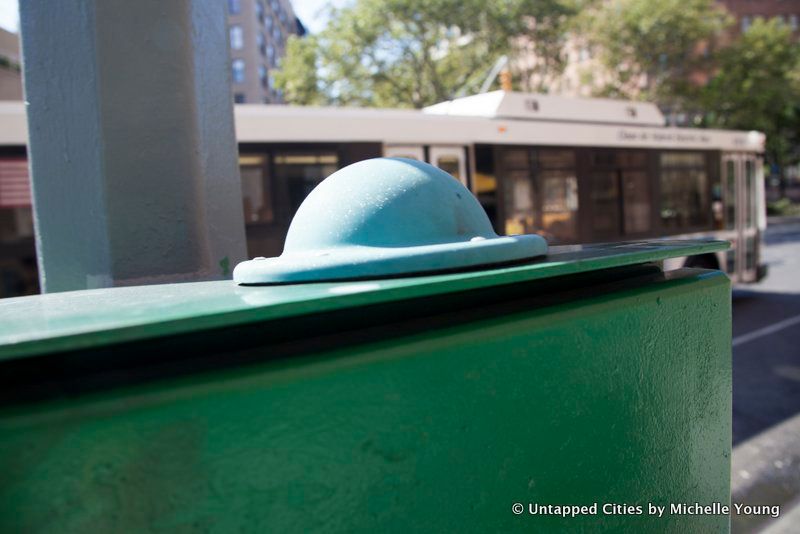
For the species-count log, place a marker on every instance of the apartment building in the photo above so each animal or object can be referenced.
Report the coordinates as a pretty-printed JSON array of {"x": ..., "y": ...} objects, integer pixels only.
[
  {"x": 259, "y": 30},
  {"x": 10, "y": 72}
]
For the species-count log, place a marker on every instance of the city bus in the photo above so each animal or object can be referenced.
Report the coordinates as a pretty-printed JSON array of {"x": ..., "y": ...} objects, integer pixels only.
[{"x": 573, "y": 170}]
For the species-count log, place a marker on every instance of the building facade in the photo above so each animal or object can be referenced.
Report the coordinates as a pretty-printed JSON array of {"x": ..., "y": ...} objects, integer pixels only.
[
  {"x": 259, "y": 30},
  {"x": 584, "y": 75},
  {"x": 10, "y": 72},
  {"x": 746, "y": 11}
]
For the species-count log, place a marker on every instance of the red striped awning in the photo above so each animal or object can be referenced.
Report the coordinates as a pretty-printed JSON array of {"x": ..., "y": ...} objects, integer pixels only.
[{"x": 15, "y": 183}]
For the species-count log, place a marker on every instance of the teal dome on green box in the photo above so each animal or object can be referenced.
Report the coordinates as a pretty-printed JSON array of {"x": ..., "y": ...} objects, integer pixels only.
[{"x": 387, "y": 217}]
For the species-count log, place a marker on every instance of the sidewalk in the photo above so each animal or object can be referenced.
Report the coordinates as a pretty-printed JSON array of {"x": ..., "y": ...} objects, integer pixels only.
[
  {"x": 765, "y": 470},
  {"x": 775, "y": 220}
]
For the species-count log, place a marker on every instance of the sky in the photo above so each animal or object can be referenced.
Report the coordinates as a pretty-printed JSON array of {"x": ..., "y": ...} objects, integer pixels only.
[
  {"x": 9, "y": 17},
  {"x": 311, "y": 13}
]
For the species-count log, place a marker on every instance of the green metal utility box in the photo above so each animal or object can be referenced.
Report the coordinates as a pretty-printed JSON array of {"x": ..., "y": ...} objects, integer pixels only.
[{"x": 460, "y": 402}]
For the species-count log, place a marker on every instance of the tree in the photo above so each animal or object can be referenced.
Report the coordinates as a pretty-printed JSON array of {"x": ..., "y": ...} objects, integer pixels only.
[
  {"x": 757, "y": 87},
  {"x": 412, "y": 53},
  {"x": 651, "y": 50},
  {"x": 298, "y": 77}
]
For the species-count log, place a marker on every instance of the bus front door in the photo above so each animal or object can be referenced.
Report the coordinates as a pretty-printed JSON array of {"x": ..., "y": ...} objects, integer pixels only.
[
  {"x": 739, "y": 175},
  {"x": 405, "y": 151},
  {"x": 450, "y": 158},
  {"x": 748, "y": 259}
]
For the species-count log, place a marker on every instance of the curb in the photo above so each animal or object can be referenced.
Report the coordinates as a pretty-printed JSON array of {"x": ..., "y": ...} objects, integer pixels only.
[{"x": 776, "y": 220}]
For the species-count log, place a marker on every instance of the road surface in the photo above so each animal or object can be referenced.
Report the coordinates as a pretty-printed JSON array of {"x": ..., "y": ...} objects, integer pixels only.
[
  {"x": 766, "y": 339},
  {"x": 765, "y": 466}
]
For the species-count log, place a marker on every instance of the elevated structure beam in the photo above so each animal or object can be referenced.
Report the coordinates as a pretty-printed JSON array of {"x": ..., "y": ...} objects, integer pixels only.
[{"x": 131, "y": 140}]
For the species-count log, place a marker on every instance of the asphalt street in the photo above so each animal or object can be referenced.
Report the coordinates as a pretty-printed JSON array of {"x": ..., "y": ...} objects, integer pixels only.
[
  {"x": 766, "y": 338},
  {"x": 765, "y": 467}
]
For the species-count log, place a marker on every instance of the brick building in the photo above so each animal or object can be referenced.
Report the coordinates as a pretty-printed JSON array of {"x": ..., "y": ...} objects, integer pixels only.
[
  {"x": 259, "y": 30},
  {"x": 10, "y": 75}
]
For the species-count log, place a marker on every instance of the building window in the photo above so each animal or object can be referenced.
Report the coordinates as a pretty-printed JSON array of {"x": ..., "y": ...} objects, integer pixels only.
[
  {"x": 234, "y": 7},
  {"x": 261, "y": 43},
  {"x": 793, "y": 22},
  {"x": 237, "y": 69},
  {"x": 271, "y": 55},
  {"x": 239, "y": 98},
  {"x": 269, "y": 23},
  {"x": 276, "y": 34},
  {"x": 262, "y": 76},
  {"x": 260, "y": 11},
  {"x": 684, "y": 191},
  {"x": 237, "y": 37},
  {"x": 746, "y": 22}
]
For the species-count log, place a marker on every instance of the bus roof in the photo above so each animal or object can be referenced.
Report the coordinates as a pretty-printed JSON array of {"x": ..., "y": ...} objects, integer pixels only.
[
  {"x": 528, "y": 106},
  {"x": 444, "y": 124}
]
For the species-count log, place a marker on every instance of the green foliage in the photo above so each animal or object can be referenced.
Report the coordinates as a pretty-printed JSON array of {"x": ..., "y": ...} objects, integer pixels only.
[
  {"x": 412, "y": 53},
  {"x": 9, "y": 63},
  {"x": 408, "y": 53},
  {"x": 651, "y": 49},
  {"x": 757, "y": 87},
  {"x": 783, "y": 208},
  {"x": 298, "y": 77}
]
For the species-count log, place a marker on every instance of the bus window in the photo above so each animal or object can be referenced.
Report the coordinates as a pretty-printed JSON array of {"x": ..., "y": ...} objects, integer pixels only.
[
  {"x": 516, "y": 159},
  {"x": 449, "y": 164},
  {"x": 730, "y": 195},
  {"x": 519, "y": 209},
  {"x": 717, "y": 206},
  {"x": 556, "y": 159},
  {"x": 750, "y": 196},
  {"x": 485, "y": 183},
  {"x": 302, "y": 172},
  {"x": 605, "y": 204},
  {"x": 750, "y": 253},
  {"x": 620, "y": 194},
  {"x": 256, "y": 189},
  {"x": 558, "y": 184},
  {"x": 636, "y": 202},
  {"x": 560, "y": 205},
  {"x": 684, "y": 191},
  {"x": 405, "y": 151}
]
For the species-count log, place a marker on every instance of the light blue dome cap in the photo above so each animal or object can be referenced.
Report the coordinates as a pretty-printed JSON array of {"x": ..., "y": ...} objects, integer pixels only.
[{"x": 387, "y": 217}]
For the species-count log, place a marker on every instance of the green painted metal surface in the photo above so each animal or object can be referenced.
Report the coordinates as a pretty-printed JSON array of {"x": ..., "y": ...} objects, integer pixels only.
[
  {"x": 424, "y": 404},
  {"x": 617, "y": 396},
  {"x": 83, "y": 319}
]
